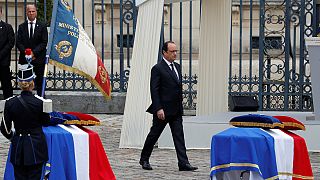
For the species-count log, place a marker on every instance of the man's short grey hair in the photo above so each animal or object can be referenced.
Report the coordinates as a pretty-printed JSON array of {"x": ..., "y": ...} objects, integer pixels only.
[{"x": 31, "y": 4}]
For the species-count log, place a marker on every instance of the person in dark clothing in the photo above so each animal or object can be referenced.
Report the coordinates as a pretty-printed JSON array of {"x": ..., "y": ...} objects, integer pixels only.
[
  {"x": 33, "y": 34},
  {"x": 6, "y": 44},
  {"x": 166, "y": 107},
  {"x": 29, "y": 152}
]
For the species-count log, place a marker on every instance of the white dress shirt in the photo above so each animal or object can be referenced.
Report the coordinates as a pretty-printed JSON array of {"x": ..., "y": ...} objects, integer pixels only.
[
  {"x": 174, "y": 67},
  {"x": 33, "y": 26}
]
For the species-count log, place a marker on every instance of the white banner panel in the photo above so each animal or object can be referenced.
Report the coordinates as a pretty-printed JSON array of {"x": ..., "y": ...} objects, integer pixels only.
[
  {"x": 214, "y": 55},
  {"x": 139, "y": 2},
  {"x": 136, "y": 121},
  {"x": 313, "y": 45},
  {"x": 174, "y": 1}
]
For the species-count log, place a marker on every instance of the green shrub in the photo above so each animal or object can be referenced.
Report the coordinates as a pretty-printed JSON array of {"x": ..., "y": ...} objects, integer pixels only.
[{"x": 41, "y": 10}]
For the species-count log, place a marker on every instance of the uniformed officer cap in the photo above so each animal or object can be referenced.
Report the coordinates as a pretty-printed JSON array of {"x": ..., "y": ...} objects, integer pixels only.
[{"x": 26, "y": 73}]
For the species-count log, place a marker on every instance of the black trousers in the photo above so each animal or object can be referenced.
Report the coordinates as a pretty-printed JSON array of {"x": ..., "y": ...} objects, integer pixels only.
[
  {"x": 175, "y": 123},
  {"x": 5, "y": 79},
  {"x": 38, "y": 70},
  {"x": 32, "y": 172}
]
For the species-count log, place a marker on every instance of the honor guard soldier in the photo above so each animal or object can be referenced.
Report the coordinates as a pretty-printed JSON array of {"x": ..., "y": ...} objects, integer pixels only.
[{"x": 27, "y": 113}]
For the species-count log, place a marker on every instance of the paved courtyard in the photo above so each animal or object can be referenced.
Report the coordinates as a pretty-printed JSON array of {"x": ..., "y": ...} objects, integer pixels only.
[{"x": 125, "y": 165}]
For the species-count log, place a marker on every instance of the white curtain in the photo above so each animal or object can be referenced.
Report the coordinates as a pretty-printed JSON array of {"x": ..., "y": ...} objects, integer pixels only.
[
  {"x": 214, "y": 56},
  {"x": 136, "y": 122},
  {"x": 139, "y": 2}
]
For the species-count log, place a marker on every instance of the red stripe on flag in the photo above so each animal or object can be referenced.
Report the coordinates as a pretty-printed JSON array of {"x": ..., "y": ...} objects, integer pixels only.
[
  {"x": 99, "y": 166},
  {"x": 301, "y": 162},
  {"x": 102, "y": 78}
]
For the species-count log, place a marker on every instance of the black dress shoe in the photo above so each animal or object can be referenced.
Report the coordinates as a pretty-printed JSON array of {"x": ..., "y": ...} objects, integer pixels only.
[
  {"x": 187, "y": 167},
  {"x": 145, "y": 165}
]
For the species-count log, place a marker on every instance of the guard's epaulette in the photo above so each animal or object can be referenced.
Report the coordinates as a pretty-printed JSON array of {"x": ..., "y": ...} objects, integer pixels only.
[
  {"x": 3, "y": 102},
  {"x": 47, "y": 104}
]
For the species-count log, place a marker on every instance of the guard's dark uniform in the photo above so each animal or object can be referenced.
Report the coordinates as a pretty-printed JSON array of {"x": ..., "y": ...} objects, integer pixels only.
[{"x": 28, "y": 144}]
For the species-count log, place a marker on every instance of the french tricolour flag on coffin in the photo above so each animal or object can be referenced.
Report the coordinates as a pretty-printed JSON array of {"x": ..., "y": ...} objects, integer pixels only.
[
  {"x": 87, "y": 161},
  {"x": 71, "y": 49},
  {"x": 273, "y": 154},
  {"x": 74, "y": 153}
]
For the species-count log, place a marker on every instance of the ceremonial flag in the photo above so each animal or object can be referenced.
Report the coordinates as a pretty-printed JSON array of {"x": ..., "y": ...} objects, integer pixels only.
[
  {"x": 74, "y": 153},
  {"x": 274, "y": 154},
  {"x": 249, "y": 149},
  {"x": 71, "y": 49}
]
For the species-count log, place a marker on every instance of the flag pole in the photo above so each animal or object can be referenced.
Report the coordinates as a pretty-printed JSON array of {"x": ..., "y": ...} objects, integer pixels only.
[
  {"x": 44, "y": 76},
  {"x": 52, "y": 27}
]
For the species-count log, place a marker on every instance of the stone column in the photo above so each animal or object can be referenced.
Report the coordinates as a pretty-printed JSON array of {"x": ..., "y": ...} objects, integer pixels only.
[{"x": 214, "y": 56}]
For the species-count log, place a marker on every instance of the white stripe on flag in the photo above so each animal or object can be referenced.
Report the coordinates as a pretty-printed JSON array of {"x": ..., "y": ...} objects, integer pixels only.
[
  {"x": 284, "y": 148},
  {"x": 81, "y": 150},
  {"x": 85, "y": 58}
]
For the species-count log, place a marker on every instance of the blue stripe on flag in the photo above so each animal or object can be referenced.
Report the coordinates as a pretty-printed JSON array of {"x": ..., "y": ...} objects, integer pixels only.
[
  {"x": 9, "y": 175},
  {"x": 61, "y": 153},
  {"x": 243, "y": 149},
  {"x": 66, "y": 34}
]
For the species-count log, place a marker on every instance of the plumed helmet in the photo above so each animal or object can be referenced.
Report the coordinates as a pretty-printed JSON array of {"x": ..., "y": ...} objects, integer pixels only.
[{"x": 25, "y": 73}]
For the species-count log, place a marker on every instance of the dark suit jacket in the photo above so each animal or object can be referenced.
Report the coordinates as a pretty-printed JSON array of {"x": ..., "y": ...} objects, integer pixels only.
[
  {"x": 166, "y": 90},
  {"x": 37, "y": 44},
  {"x": 29, "y": 144},
  {"x": 6, "y": 43}
]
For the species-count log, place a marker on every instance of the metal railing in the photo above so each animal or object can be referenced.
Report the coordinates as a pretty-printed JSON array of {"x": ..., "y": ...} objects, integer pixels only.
[{"x": 268, "y": 58}]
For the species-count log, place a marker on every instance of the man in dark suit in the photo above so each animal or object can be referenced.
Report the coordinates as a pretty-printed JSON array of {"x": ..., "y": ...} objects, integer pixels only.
[
  {"x": 6, "y": 44},
  {"x": 166, "y": 107},
  {"x": 33, "y": 34}
]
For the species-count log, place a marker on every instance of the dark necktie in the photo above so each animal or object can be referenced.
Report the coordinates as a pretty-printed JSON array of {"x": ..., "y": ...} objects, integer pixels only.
[
  {"x": 172, "y": 70},
  {"x": 31, "y": 30}
]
